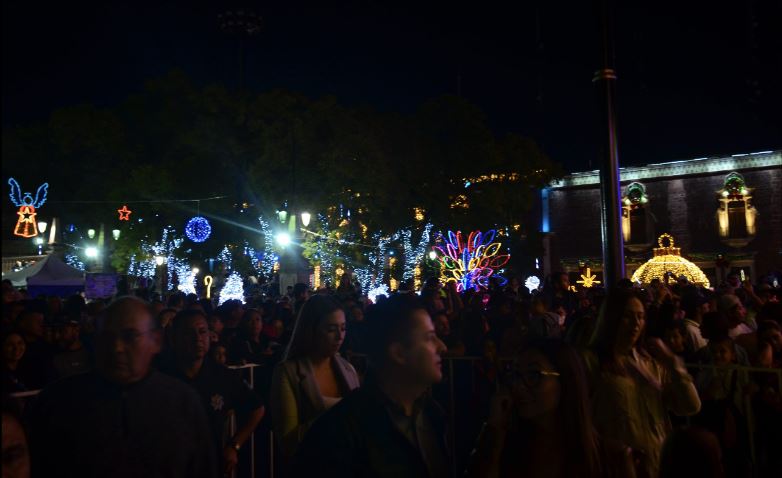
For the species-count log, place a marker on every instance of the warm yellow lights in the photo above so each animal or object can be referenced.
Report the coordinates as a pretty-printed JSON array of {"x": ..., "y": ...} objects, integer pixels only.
[
  {"x": 588, "y": 279},
  {"x": 208, "y": 283},
  {"x": 668, "y": 264},
  {"x": 418, "y": 213},
  {"x": 316, "y": 277}
]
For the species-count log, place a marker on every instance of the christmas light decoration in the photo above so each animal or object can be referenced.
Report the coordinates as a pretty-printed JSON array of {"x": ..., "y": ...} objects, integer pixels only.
[
  {"x": 269, "y": 258},
  {"x": 233, "y": 289},
  {"x": 208, "y": 283},
  {"x": 413, "y": 255},
  {"x": 226, "y": 258},
  {"x": 668, "y": 264},
  {"x": 26, "y": 225},
  {"x": 472, "y": 262},
  {"x": 188, "y": 284},
  {"x": 382, "y": 289},
  {"x": 532, "y": 283},
  {"x": 588, "y": 279},
  {"x": 124, "y": 213},
  {"x": 198, "y": 229},
  {"x": 74, "y": 261}
]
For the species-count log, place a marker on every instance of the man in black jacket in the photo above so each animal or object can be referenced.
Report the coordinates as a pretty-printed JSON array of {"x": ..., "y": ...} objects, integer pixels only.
[{"x": 389, "y": 427}]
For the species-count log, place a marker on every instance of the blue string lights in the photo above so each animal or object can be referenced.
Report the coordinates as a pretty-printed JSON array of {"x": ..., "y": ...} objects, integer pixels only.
[{"x": 198, "y": 229}]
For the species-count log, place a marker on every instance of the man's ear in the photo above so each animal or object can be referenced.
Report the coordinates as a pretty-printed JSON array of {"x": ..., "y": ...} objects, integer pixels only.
[
  {"x": 397, "y": 353},
  {"x": 157, "y": 339}
]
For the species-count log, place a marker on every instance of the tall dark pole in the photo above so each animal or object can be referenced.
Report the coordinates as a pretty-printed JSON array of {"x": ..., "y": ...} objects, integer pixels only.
[{"x": 605, "y": 81}]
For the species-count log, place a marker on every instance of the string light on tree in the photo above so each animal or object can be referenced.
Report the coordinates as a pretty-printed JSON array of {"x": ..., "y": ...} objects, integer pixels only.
[
  {"x": 226, "y": 258},
  {"x": 26, "y": 225},
  {"x": 472, "y": 262},
  {"x": 413, "y": 256},
  {"x": 372, "y": 294},
  {"x": 233, "y": 289},
  {"x": 588, "y": 279},
  {"x": 198, "y": 229},
  {"x": 124, "y": 213},
  {"x": 73, "y": 260},
  {"x": 187, "y": 281}
]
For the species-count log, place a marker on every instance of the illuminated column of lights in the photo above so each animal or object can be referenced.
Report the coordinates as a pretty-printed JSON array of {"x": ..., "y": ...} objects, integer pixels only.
[
  {"x": 269, "y": 258},
  {"x": 316, "y": 277}
]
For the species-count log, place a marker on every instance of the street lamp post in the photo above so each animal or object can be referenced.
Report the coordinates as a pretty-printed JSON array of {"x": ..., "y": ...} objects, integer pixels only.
[
  {"x": 160, "y": 262},
  {"x": 605, "y": 81},
  {"x": 289, "y": 239}
]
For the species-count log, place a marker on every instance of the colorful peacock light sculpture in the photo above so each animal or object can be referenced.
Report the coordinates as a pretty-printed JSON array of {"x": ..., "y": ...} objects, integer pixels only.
[{"x": 470, "y": 263}]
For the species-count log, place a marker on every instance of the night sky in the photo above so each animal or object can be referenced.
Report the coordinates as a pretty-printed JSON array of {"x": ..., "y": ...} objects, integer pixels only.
[{"x": 696, "y": 80}]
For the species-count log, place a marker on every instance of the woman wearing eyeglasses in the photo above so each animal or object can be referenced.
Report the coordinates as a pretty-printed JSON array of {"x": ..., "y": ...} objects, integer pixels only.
[
  {"x": 540, "y": 424},
  {"x": 634, "y": 383}
]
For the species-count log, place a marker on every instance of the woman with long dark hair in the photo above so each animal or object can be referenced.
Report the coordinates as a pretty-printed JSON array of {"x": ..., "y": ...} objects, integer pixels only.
[
  {"x": 312, "y": 377},
  {"x": 542, "y": 425},
  {"x": 634, "y": 383}
]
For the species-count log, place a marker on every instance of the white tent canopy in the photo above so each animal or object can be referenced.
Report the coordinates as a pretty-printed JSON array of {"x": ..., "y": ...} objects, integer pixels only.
[{"x": 49, "y": 271}]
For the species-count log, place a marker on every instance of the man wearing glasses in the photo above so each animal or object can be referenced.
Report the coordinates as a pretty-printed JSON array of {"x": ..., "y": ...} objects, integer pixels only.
[{"x": 123, "y": 418}]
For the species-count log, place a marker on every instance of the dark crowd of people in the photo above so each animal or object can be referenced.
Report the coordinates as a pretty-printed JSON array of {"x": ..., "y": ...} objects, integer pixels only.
[{"x": 664, "y": 381}]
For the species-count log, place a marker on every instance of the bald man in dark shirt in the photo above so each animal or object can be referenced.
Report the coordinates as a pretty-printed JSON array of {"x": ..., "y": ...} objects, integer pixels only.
[{"x": 124, "y": 419}]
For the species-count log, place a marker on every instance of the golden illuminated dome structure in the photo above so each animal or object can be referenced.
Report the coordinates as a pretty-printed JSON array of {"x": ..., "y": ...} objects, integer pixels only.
[{"x": 668, "y": 264}]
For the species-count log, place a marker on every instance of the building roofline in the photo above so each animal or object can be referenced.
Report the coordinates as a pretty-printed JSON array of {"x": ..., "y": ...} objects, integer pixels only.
[{"x": 736, "y": 162}]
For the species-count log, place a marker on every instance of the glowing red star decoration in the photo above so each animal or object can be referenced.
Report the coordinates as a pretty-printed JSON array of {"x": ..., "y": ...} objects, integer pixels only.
[{"x": 124, "y": 213}]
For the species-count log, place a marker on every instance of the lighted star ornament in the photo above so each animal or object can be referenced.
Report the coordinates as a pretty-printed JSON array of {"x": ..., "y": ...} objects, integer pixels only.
[
  {"x": 26, "y": 226},
  {"x": 124, "y": 213},
  {"x": 588, "y": 279}
]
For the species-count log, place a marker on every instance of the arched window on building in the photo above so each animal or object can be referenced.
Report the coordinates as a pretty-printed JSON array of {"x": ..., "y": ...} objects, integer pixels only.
[
  {"x": 736, "y": 215},
  {"x": 636, "y": 220}
]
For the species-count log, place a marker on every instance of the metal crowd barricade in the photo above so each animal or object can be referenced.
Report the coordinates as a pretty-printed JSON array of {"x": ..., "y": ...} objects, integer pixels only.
[
  {"x": 251, "y": 368},
  {"x": 451, "y": 375},
  {"x": 359, "y": 362}
]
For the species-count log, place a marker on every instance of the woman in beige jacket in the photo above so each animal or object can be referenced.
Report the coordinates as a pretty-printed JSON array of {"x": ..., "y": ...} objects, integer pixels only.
[
  {"x": 633, "y": 386},
  {"x": 313, "y": 377}
]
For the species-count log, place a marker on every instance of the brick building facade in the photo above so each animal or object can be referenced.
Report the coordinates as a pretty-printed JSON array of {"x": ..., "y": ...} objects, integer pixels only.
[{"x": 729, "y": 206}]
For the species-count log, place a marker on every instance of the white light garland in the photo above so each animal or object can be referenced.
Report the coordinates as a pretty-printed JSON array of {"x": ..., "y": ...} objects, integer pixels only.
[{"x": 233, "y": 289}]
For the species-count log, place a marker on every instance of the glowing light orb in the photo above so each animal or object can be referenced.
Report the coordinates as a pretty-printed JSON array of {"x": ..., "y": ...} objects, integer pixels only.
[
  {"x": 198, "y": 229},
  {"x": 532, "y": 283}
]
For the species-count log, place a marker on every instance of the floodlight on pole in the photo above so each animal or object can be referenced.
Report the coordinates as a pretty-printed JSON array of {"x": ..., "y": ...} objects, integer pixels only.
[
  {"x": 115, "y": 234},
  {"x": 91, "y": 233},
  {"x": 283, "y": 239},
  {"x": 91, "y": 252},
  {"x": 42, "y": 226},
  {"x": 305, "y": 219}
]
